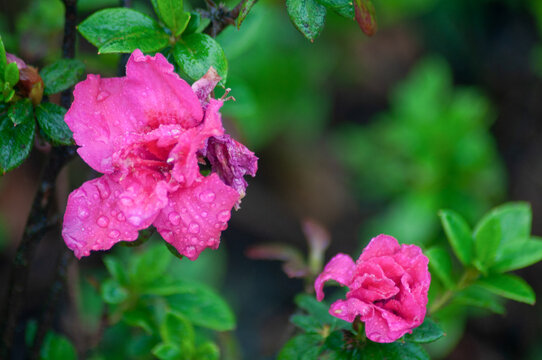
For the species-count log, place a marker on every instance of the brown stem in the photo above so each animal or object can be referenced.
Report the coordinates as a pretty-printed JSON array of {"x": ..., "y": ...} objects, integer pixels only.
[{"x": 221, "y": 18}]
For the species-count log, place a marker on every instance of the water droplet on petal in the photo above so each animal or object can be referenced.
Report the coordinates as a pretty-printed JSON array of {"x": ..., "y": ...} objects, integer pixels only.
[
  {"x": 134, "y": 220},
  {"x": 174, "y": 218},
  {"x": 193, "y": 228},
  {"x": 102, "y": 221},
  {"x": 126, "y": 201},
  {"x": 204, "y": 214},
  {"x": 102, "y": 95},
  {"x": 207, "y": 196},
  {"x": 114, "y": 234},
  {"x": 121, "y": 217},
  {"x": 223, "y": 216},
  {"x": 82, "y": 213}
]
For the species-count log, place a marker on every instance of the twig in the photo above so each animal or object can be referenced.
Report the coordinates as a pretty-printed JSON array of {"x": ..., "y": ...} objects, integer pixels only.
[
  {"x": 220, "y": 17},
  {"x": 38, "y": 222}
]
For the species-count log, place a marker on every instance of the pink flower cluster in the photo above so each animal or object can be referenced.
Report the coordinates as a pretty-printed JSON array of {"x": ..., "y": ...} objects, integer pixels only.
[
  {"x": 148, "y": 132},
  {"x": 387, "y": 285}
]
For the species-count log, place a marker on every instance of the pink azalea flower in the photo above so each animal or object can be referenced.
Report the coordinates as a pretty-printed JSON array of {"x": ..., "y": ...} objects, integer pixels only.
[
  {"x": 144, "y": 132},
  {"x": 387, "y": 288}
]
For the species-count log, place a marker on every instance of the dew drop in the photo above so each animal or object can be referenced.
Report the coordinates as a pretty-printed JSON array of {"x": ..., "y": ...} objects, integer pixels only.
[
  {"x": 174, "y": 218},
  {"x": 102, "y": 95},
  {"x": 102, "y": 221},
  {"x": 204, "y": 214},
  {"x": 207, "y": 196},
  {"x": 223, "y": 216},
  {"x": 134, "y": 220},
  {"x": 114, "y": 234},
  {"x": 82, "y": 213},
  {"x": 126, "y": 201},
  {"x": 121, "y": 217},
  {"x": 193, "y": 228}
]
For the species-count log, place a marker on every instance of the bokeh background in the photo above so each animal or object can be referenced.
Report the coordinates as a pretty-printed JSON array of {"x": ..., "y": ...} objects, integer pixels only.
[{"x": 442, "y": 108}]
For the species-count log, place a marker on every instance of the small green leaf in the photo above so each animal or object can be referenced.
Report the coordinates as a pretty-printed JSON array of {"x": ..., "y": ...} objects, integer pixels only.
[
  {"x": 21, "y": 112},
  {"x": 515, "y": 219},
  {"x": 57, "y": 347},
  {"x": 459, "y": 235},
  {"x": 115, "y": 268},
  {"x": 306, "y": 322},
  {"x": 15, "y": 142},
  {"x": 149, "y": 265},
  {"x": 245, "y": 9},
  {"x": 518, "y": 254},
  {"x": 167, "y": 351},
  {"x": 195, "y": 53},
  {"x": 320, "y": 311},
  {"x": 394, "y": 351},
  {"x": 487, "y": 238},
  {"x": 365, "y": 16},
  {"x": 140, "y": 317},
  {"x": 61, "y": 75},
  {"x": 509, "y": 286},
  {"x": 202, "y": 306},
  {"x": 302, "y": 347},
  {"x": 429, "y": 331},
  {"x": 193, "y": 24},
  {"x": 308, "y": 16},
  {"x": 479, "y": 297},
  {"x": 176, "y": 329},
  {"x": 440, "y": 264},
  {"x": 112, "y": 292},
  {"x": 123, "y": 30},
  {"x": 207, "y": 351},
  {"x": 30, "y": 331},
  {"x": 173, "y": 15},
  {"x": 345, "y": 8},
  {"x": 11, "y": 74},
  {"x": 3, "y": 60},
  {"x": 51, "y": 122}
]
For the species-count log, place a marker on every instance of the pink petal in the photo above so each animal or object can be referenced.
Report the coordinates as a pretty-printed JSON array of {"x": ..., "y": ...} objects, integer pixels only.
[
  {"x": 377, "y": 328},
  {"x": 381, "y": 245},
  {"x": 195, "y": 216},
  {"x": 340, "y": 269},
  {"x": 205, "y": 86},
  {"x": 350, "y": 308},
  {"x": 93, "y": 219}
]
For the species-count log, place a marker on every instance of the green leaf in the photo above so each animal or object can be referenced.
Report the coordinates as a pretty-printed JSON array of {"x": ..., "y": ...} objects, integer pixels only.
[
  {"x": 459, "y": 235},
  {"x": 394, "y": 351},
  {"x": 245, "y": 9},
  {"x": 176, "y": 329},
  {"x": 57, "y": 347},
  {"x": 140, "y": 317},
  {"x": 440, "y": 264},
  {"x": 123, "y": 30},
  {"x": 308, "y": 16},
  {"x": 149, "y": 265},
  {"x": 173, "y": 15},
  {"x": 116, "y": 269},
  {"x": 202, "y": 306},
  {"x": 52, "y": 125},
  {"x": 344, "y": 8},
  {"x": 3, "y": 60},
  {"x": 15, "y": 142},
  {"x": 515, "y": 219},
  {"x": 21, "y": 112},
  {"x": 508, "y": 286},
  {"x": 112, "y": 292},
  {"x": 207, "y": 351},
  {"x": 195, "y": 53},
  {"x": 193, "y": 24},
  {"x": 365, "y": 16},
  {"x": 429, "y": 331},
  {"x": 517, "y": 255},
  {"x": 167, "y": 351},
  {"x": 487, "y": 238},
  {"x": 479, "y": 297},
  {"x": 320, "y": 312},
  {"x": 61, "y": 75},
  {"x": 11, "y": 74},
  {"x": 302, "y": 347},
  {"x": 306, "y": 322}
]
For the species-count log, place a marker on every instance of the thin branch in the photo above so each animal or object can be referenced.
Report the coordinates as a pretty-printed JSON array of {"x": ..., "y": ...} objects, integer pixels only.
[{"x": 220, "y": 17}]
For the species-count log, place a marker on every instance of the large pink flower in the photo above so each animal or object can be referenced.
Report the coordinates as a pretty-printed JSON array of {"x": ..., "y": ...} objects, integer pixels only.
[
  {"x": 387, "y": 288},
  {"x": 146, "y": 132}
]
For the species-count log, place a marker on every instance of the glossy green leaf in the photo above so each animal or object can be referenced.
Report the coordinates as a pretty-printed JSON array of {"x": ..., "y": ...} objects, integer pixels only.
[
  {"x": 440, "y": 264},
  {"x": 21, "y": 112},
  {"x": 123, "y": 30},
  {"x": 195, "y": 53},
  {"x": 167, "y": 351},
  {"x": 429, "y": 331},
  {"x": 479, "y": 297},
  {"x": 15, "y": 142},
  {"x": 202, "y": 306},
  {"x": 515, "y": 219},
  {"x": 50, "y": 119},
  {"x": 112, "y": 292},
  {"x": 11, "y": 74},
  {"x": 302, "y": 347},
  {"x": 306, "y": 322},
  {"x": 173, "y": 15},
  {"x": 116, "y": 269},
  {"x": 344, "y": 8},
  {"x": 365, "y": 16},
  {"x": 459, "y": 235},
  {"x": 394, "y": 351},
  {"x": 518, "y": 254},
  {"x": 3, "y": 60},
  {"x": 193, "y": 24},
  {"x": 509, "y": 286},
  {"x": 176, "y": 329},
  {"x": 57, "y": 347},
  {"x": 245, "y": 9},
  {"x": 140, "y": 317},
  {"x": 207, "y": 351},
  {"x": 149, "y": 265},
  {"x": 61, "y": 75},
  {"x": 320, "y": 312},
  {"x": 487, "y": 238},
  {"x": 308, "y": 16}
]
